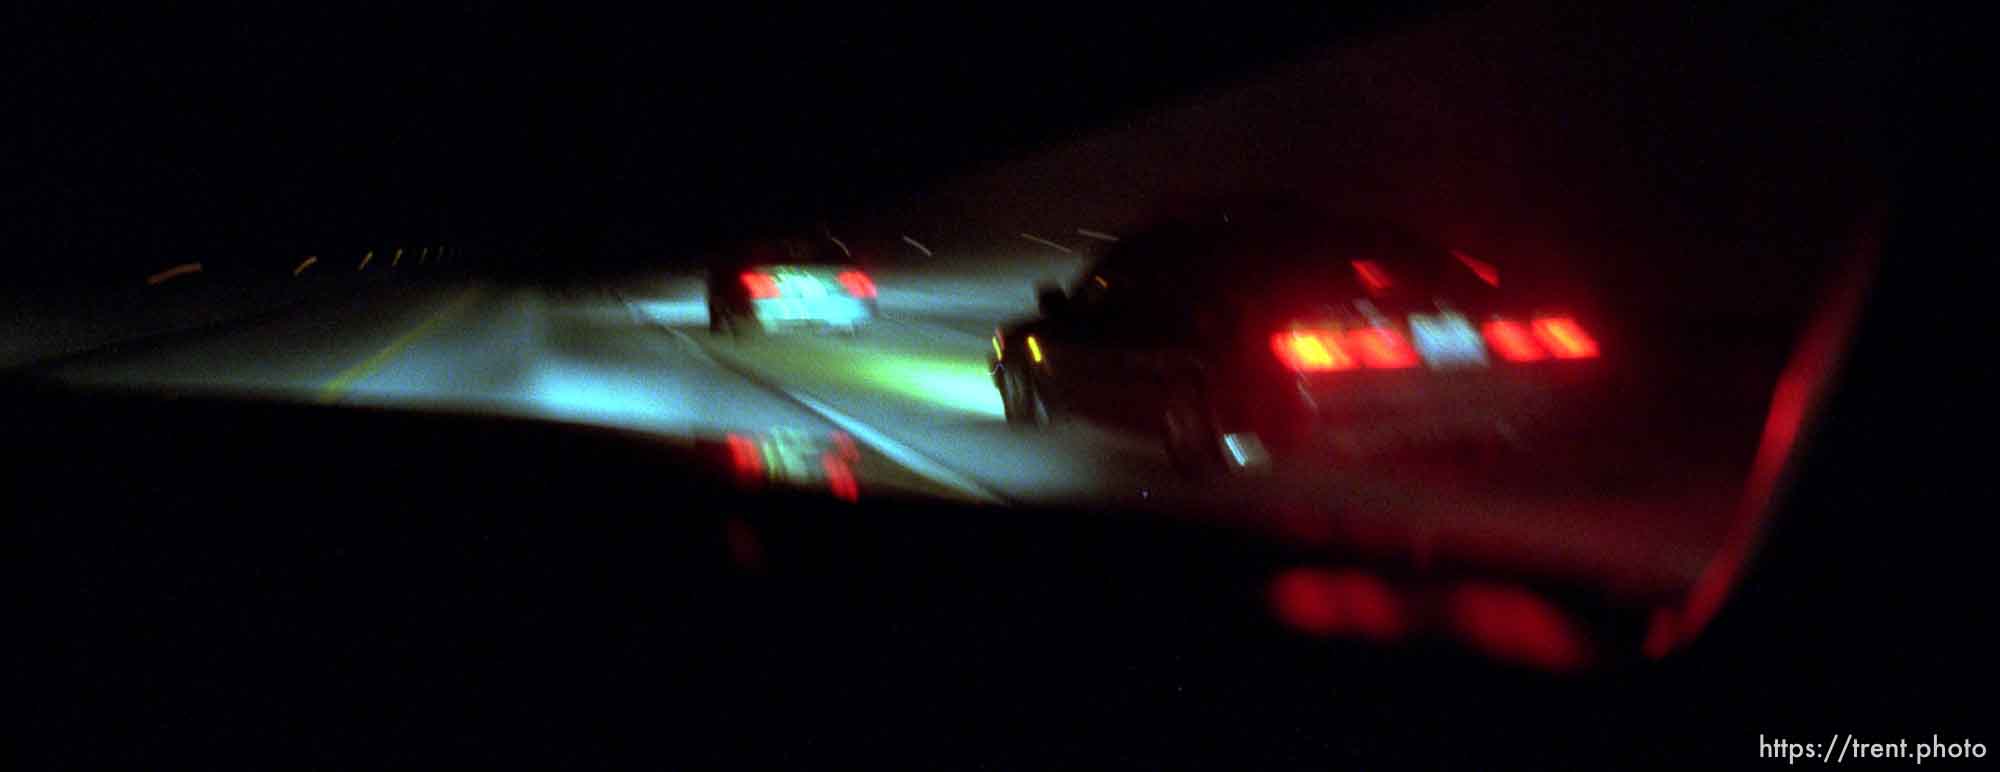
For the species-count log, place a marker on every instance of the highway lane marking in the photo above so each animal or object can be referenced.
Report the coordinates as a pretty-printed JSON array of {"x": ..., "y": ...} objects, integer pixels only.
[
  {"x": 338, "y": 385},
  {"x": 920, "y": 247},
  {"x": 304, "y": 264},
  {"x": 178, "y": 270},
  {"x": 364, "y": 260},
  {"x": 895, "y": 451},
  {"x": 1099, "y": 235},
  {"x": 1047, "y": 243}
]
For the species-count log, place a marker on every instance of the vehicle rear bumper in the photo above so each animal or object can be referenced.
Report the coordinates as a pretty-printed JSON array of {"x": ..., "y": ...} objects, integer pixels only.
[
  {"x": 1383, "y": 412},
  {"x": 789, "y": 313}
]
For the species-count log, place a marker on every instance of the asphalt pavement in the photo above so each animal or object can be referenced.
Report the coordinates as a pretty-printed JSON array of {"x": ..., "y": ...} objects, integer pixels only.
[{"x": 912, "y": 392}]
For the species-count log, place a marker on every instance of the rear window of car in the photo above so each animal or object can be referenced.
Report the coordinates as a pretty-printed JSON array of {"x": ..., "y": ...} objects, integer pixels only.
[
  {"x": 792, "y": 252},
  {"x": 1330, "y": 253}
]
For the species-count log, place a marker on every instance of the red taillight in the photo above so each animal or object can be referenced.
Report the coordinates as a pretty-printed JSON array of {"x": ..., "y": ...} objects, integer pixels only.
[
  {"x": 857, "y": 283},
  {"x": 1513, "y": 342},
  {"x": 1327, "y": 350},
  {"x": 1549, "y": 336},
  {"x": 1311, "y": 351},
  {"x": 1565, "y": 338},
  {"x": 1382, "y": 348},
  {"x": 762, "y": 286}
]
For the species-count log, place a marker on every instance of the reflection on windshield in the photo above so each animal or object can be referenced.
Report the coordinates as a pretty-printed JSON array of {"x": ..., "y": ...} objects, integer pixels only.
[{"x": 1466, "y": 297}]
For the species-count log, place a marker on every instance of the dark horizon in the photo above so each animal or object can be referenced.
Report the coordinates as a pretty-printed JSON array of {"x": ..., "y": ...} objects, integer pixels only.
[{"x": 160, "y": 135}]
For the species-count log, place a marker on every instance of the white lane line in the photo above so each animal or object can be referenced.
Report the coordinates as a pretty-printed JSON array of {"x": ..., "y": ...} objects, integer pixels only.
[
  {"x": 920, "y": 247},
  {"x": 178, "y": 270},
  {"x": 1099, "y": 235},
  {"x": 896, "y": 451},
  {"x": 1047, "y": 243},
  {"x": 893, "y": 450},
  {"x": 842, "y": 244},
  {"x": 692, "y": 346}
]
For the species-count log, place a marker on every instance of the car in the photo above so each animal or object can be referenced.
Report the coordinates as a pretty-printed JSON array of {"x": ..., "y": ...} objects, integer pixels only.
[
  {"x": 1289, "y": 333},
  {"x": 788, "y": 284}
]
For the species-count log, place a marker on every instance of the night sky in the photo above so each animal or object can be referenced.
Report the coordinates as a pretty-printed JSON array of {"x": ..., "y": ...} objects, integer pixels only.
[{"x": 137, "y": 136}]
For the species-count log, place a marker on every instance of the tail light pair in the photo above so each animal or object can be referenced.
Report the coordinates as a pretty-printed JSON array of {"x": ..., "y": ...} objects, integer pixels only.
[
  {"x": 764, "y": 286},
  {"x": 1316, "y": 350},
  {"x": 1327, "y": 349},
  {"x": 1559, "y": 337}
]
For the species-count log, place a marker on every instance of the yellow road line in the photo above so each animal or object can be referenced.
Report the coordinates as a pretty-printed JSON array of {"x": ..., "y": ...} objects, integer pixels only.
[{"x": 338, "y": 385}]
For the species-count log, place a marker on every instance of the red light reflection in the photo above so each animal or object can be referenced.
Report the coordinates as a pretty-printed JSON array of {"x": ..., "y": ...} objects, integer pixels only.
[
  {"x": 1487, "y": 272},
  {"x": 1328, "y": 603},
  {"x": 746, "y": 456},
  {"x": 840, "y": 478},
  {"x": 1512, "y": 341},
  {"x": 844, "y": 444},
  {"x": 1515, "y": 625},
  {"x": 1371, "y": 274}
]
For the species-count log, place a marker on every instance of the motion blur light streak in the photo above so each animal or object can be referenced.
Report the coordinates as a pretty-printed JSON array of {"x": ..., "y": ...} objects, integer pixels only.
[
  {"x": 843, "y": 443},
  {"x": 857, "y": 284},
  {"x": 1513, "y": 341},
  {"x": 1565, "y": 338},
  {"x": 1034, "y": 349},
  {"x": 1382, "y": 348},
  {"x": 1308, "y": 351},
  {"x": 1487, "y": 272},
  {"x": 746, "y": 456},
  {"x": 178, "y": 270},
  {"x": 1350, "y": 603},
  {"x": 840, "y": 478},
  {"x": 1801, "y": 387},
  {"x": 1371, "y": 274},
  {"x": 1515, "y": 625},
  {"x": 762, "y": 286}
]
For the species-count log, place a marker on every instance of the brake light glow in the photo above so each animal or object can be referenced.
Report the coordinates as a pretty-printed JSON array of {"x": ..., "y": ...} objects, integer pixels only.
[
  {"x": 1311, "y": 351},
  {"x": 762, "y": 286},
  {"x": 1512, "y": 341},
  {"x": 857, "y": 284},
  {"x": 1565, "y": 338},
  {"x": 1382, "y": 348}
]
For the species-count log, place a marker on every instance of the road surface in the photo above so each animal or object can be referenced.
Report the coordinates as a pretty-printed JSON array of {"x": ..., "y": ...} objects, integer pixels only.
[{"x": 911, "y": 390}]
